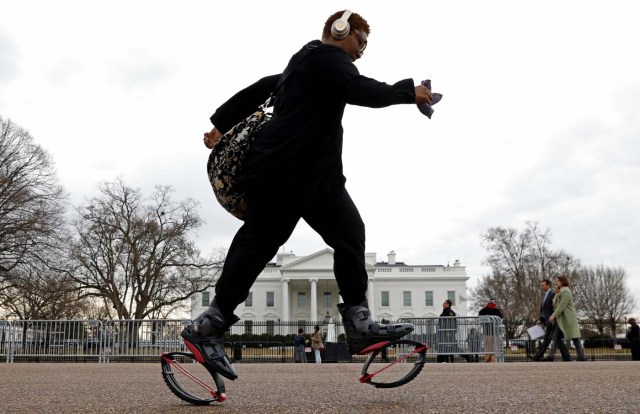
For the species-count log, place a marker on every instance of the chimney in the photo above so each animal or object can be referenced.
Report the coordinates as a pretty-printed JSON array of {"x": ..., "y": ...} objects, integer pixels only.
[
  {"x": 392, "y": 257},
  {"x": 281, "y": 256}
]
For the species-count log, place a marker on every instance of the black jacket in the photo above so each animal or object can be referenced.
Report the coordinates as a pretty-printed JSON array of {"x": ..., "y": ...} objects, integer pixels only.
[
  {"x": 303, "y": 141},
  {"x": 546, "y": 307},
  {"x": 489, "y": 328},
  {"x": 447, "y": 323}
]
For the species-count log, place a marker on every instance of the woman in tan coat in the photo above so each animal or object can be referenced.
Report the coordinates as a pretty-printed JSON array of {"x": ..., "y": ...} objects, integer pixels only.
[
  {"x": 316, "y": 343},
  {"x": 564, "y": 314}
]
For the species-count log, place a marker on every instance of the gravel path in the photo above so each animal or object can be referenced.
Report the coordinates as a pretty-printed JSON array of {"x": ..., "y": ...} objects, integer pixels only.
[{"x": 527, "y": 387}]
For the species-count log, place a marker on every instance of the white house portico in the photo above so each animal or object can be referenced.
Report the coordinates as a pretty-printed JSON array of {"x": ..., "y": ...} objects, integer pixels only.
[{"x": 304, "y": 288}]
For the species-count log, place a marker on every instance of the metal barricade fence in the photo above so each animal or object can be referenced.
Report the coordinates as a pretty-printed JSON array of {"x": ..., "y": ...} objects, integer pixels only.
[
  {"x": 52, "y": 340},
  {"x": 251, "y": 341},
  {"x": 138, "y": 340},
  {"x": 469, "y": 337},
  {"x": 6, "y": 341}
]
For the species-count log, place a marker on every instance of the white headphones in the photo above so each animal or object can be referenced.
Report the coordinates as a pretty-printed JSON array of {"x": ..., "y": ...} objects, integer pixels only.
[{"x": 340, "y": 28}]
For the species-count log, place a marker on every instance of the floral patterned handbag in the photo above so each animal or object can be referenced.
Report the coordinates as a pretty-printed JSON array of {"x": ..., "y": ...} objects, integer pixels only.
[{"x": 227, "y": 156}]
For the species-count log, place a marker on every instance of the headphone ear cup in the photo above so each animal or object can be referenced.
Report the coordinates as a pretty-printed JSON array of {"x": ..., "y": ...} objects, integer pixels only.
[{"x": 340, "y": 29}]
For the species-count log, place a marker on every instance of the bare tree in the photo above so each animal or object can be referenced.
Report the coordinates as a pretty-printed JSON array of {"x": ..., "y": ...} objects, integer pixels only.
[
  {"x": 519, "y": 260},
  {"x": 602, "y": 296},
  {"x": 32, "y": 203},
  {"x": 39, "y": 292},
  {"x": 97, "y": 309},
  {"x": 136, "y": 253}
]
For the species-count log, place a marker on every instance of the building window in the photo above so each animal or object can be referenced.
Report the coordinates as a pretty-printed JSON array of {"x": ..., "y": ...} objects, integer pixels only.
[
  {"x": 248, "y": 303},
  {"x": 384, "y": 298},
  {"x": 406, "y": 298},
  {"x": 451, "y": 295},
  {"x": 271, "y": 327},
  {"x": 205, "y": 299},
  {"x": 428, "y": 298},
  {"x": 271, "y": 299},
  {"x": 248, "y": 327},
  {"x": 326, "y": 298},
  {"x": 302, "y": 299}
]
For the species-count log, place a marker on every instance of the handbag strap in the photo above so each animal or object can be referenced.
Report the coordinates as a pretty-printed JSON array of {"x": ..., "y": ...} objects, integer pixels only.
[{"x": 285, "y": 74}]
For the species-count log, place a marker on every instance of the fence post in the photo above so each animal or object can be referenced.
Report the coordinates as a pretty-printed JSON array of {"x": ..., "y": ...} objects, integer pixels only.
[{"x": 6, "y": 340}]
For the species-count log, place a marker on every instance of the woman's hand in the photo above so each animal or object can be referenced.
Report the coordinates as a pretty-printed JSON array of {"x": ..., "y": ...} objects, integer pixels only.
[
  {"x": 423, "y": 95},
  {"x": 210, "y": 138},
  {"x": 552, "y": 318}
]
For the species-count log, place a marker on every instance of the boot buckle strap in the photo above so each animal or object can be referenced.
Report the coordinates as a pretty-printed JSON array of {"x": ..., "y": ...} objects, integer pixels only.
[{"x": 365, "y": 314}]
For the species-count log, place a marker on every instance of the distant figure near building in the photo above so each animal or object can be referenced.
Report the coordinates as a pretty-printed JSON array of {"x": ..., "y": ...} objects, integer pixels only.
[
  {"x": 298, "y": 346},
  {"x": 491, "y": 337},
  {"x": 446, "y": 335},
  {"x": 633, "y": 335},
  {"x": 316, "y": 343}
]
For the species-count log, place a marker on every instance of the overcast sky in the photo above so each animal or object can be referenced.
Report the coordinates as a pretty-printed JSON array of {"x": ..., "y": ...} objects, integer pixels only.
[{"x": 539, "y": 120}]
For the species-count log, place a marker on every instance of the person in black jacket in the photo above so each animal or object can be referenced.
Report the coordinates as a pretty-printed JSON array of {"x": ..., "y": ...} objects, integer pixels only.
[
  {"x": 447, "y": 335},
  {"x": 633, "y": 335},
  {"x": 302, "y": 143},
  {"x": 491, "y": 336}
]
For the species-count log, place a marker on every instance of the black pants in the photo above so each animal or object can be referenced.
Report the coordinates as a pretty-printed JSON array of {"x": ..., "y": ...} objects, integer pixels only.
[
  {"x": 635, "y": 349},
  {"x": 558, "y": 338},
  {"x": 271, "y": 217},
  {"x": 548, "y": 334},
  {"x": 564, "y": 351}
]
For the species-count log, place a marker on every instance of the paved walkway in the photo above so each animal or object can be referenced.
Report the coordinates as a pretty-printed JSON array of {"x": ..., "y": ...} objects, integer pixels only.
[{"x": 527, "y": 387}]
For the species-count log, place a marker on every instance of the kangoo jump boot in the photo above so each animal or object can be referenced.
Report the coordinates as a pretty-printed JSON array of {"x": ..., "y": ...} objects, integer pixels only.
[
  {"x": 362, "y": 331},
  {"x": 204, "y": 337}
]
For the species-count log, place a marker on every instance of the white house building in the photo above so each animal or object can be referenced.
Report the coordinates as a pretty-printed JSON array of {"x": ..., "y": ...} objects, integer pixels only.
[{"x": 297, "y": 288}]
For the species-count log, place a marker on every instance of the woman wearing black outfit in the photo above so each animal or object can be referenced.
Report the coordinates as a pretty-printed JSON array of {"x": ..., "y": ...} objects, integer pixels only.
[{"x": 302, "y": 142}]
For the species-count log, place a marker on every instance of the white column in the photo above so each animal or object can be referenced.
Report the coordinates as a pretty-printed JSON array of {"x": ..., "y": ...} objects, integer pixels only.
[
  {"x": 285, "y": 300},
  {"x": 314, "y": 299},
  {"x": 370, "y": 298}
]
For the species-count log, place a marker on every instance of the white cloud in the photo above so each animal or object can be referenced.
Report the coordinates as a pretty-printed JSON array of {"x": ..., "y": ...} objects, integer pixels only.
[
  {"x": 136, "y": 70},
  {"x": 8, "y": 58}
]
